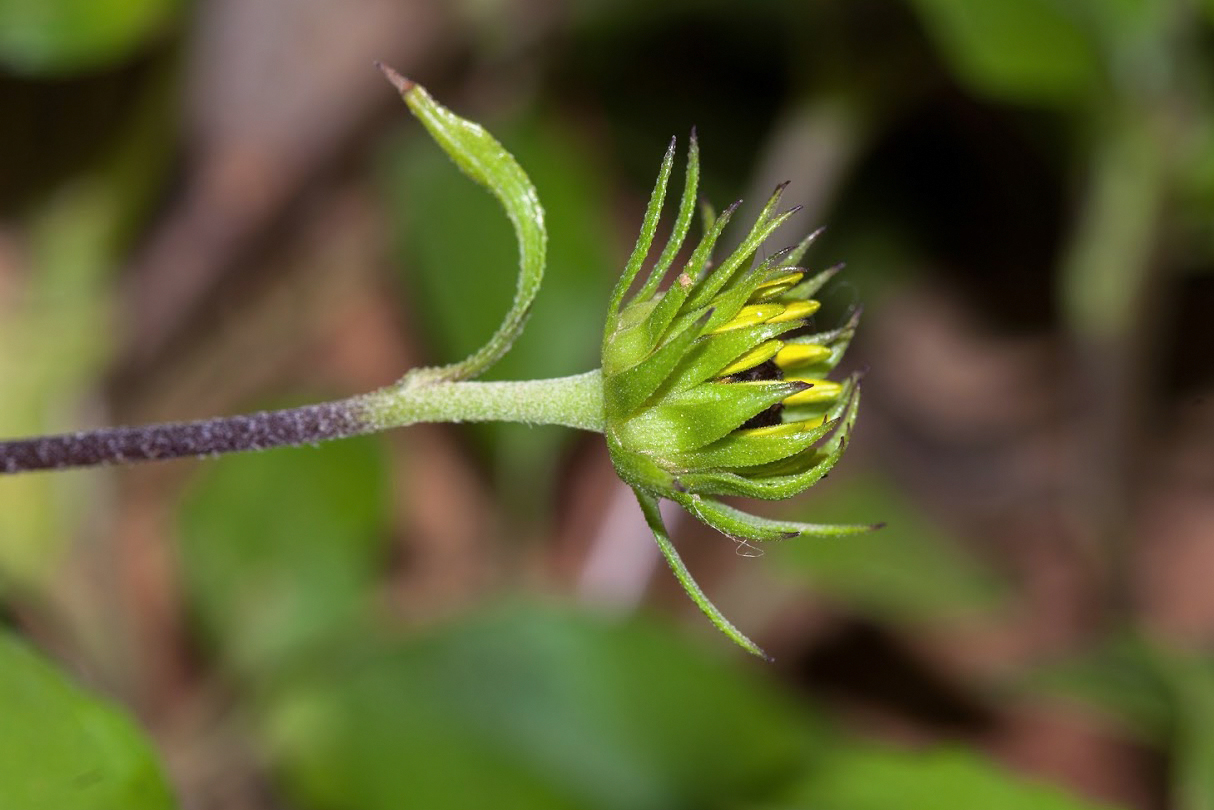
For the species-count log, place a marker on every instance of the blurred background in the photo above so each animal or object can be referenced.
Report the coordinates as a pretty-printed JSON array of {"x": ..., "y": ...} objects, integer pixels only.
[{"x": 218, "y": 206}]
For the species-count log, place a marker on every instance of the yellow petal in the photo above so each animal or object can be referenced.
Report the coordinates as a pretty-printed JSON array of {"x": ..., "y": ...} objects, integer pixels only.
[
  {"x": 777, "y": 286},
  {"x": 752, "y": 358},
  {"x": 822, "y": 391},
  {"x": 786, "y": 428},
  {"x": 750, "y": 315},
  {"x": 795, "y": 311},
  {"x": 801, "y": 354}
]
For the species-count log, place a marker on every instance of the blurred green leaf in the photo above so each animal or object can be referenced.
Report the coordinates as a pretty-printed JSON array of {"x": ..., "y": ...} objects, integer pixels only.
[
  {"x": 65, "y": 36},
  {"x": 907, "y": 571},
  {"x": 1166, "y": 695},
  {"x": 1192, "y": 683},
  {"x": 534, "y": 707},
  {"x": 279, "y": 549},
  {"x": 459, "y": 262},
  {"x": 63, "y": 748},
  {"x": 851, "y": 778},
  {"x": 1119, "y": 679},
  {"x": 1023, "y": 50}
]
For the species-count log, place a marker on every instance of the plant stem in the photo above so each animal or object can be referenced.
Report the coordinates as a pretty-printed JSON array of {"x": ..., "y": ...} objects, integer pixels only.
[{"x": 575, "y": 401}]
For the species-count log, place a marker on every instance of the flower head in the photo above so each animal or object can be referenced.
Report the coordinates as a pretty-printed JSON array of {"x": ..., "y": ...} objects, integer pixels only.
[{"x": 713, "y": 386}]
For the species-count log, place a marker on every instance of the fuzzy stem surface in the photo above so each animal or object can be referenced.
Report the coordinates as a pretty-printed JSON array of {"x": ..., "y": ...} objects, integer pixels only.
[{"x": 575, "y": 401}]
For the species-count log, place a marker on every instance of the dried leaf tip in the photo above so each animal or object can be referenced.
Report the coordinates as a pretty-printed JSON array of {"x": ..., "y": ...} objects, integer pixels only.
[{"x": 401, "y": 84}]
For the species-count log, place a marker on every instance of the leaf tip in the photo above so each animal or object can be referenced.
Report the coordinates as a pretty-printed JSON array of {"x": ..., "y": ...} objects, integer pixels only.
[{"x": 398, "y": 81}]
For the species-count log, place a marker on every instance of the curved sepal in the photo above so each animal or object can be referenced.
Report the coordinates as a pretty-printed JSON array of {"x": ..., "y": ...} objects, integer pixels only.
[
  {"x": 649, "y": 507},
  {"x": 738, "y": 524}
]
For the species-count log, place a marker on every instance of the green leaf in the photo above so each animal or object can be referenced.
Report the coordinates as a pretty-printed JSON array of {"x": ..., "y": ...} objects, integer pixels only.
[
  {"x": 535, "y": 707},
  {"x": 280, "y": 549},
  {"x": 54, "y": 37},
  {"x": 484, "y": 160},
  {"x": 63, "y": 748},
  {"x": 1024, "y": 50},
  {"x": 908, "y": 571},
  {"x": 863, "y": 778}
]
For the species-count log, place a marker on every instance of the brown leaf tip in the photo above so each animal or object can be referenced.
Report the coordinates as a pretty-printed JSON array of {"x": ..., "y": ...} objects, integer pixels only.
[{"x": 401, "y": 84}]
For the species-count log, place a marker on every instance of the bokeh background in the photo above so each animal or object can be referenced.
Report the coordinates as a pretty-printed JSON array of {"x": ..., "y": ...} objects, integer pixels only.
[{"x": 217, "y": 206}]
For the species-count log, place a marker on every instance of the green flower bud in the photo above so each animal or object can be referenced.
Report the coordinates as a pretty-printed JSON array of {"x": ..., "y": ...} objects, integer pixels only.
[{"x": 711, "y": 386}]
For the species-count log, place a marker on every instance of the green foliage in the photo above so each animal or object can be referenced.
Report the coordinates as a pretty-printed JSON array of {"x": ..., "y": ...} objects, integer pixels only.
[
  {"x": 862, "y": 778},
  {"x": 54, "y": 37},
  {"x": 535, "y": 707},
  {"x": 1167, "y": 696},
  {"x": 281, "y": 549},
  {"x": 1026, "y": 50},
  {"x": 61, "y": 747}
]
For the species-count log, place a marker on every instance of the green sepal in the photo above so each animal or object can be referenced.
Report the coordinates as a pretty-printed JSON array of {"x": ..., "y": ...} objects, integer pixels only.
[
  {"x": 674, "y": 300},
  {"x": 711, "y": 353},
  {"x": 833, "y": 416},
  {"x": 777, "y": 487},
  {"x": 730, "y": 301},
  {"x": 795, "y": 255},
  {"x": 741, "y": 449},
  {"x": 738, "y": 524},
  {"x": 708, "y": 215},
  {"x": 762, "y": 228},
  {"x": 682, "y": 221},
  {"x": 811, "y": 285},
  {"x": 653, "y": 516},
  {"x": 727, "y": 304},
  {"x": 649, "y": 226},
  {"x": 843, "y": 332},
  {"x": 627, "y": 390},
  {"x": 690, "y": 419},
  {"x": 837, "y": 340},
  {"x": 638, "y": 470}
]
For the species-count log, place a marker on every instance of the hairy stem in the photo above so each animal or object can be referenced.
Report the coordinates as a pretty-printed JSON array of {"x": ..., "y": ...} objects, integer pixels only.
[{"x": 572, "y": 401}]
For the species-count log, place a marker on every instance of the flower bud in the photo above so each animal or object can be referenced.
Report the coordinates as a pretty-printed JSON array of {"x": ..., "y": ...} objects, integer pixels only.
[{"x": 713, "y": 387}]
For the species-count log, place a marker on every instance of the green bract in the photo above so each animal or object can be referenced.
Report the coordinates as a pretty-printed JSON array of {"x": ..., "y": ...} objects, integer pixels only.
[{"x": 712, "y": 387}]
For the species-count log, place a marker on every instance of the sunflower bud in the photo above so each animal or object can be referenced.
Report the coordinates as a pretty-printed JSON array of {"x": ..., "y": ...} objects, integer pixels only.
[{"x": 713, "y": 387}]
